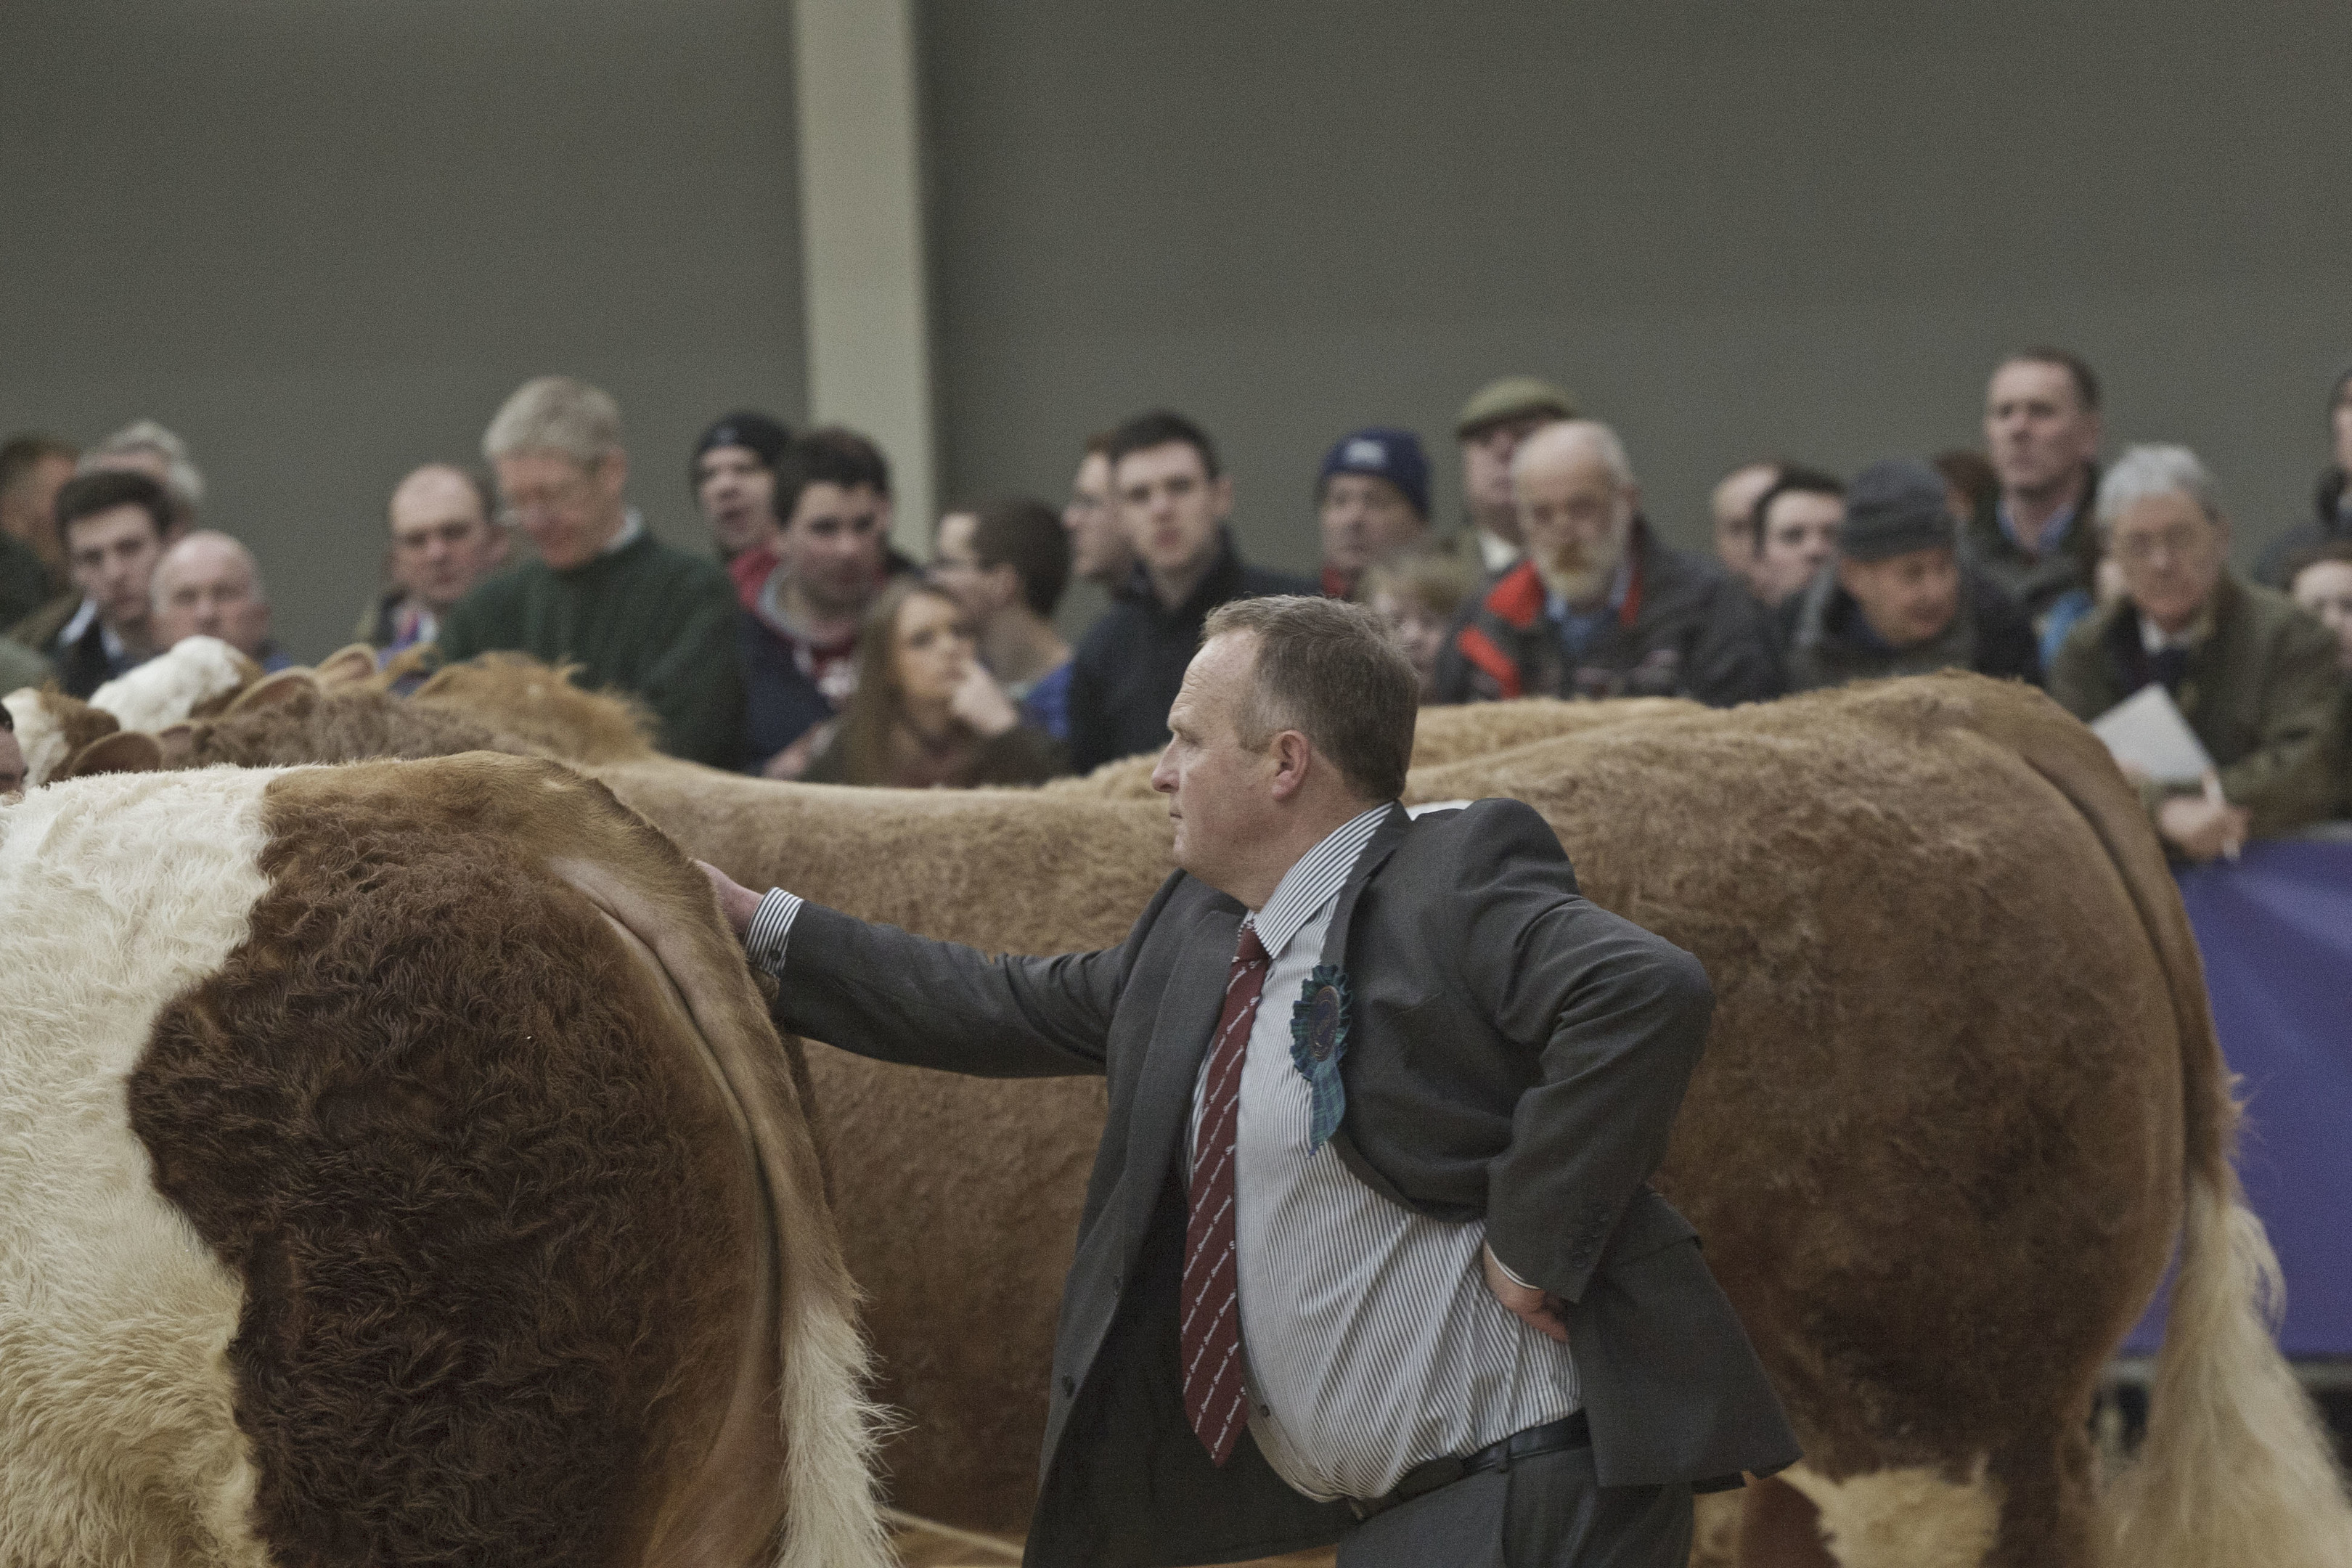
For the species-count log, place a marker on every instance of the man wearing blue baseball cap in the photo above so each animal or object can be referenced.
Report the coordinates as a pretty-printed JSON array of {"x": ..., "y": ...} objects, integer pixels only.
[{"x": 1372, "y": 497}]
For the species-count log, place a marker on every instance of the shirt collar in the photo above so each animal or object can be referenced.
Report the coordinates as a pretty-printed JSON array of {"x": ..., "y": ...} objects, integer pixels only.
[
  {"x": 72, "y": 630},
  {"x": 2154, "y": 639},
  {"x": 1315, "y": 880},
  {"x": 2053, "y": 532},
  {"x": 632, "y": 528},
  {"x": 1497, "y": 553}
]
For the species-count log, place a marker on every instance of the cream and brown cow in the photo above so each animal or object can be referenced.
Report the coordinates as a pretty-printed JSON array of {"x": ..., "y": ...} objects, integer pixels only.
[{"x": 397, "y": 1166}]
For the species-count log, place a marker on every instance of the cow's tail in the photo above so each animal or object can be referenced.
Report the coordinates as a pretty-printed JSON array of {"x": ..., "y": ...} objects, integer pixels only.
[
  {"x": 830, "y": 1432},
  {"x": 2236, "y": 1467}
]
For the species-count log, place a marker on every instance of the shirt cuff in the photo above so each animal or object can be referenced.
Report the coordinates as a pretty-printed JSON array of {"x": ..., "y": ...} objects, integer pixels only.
[
  {"x": 770, "y": 929},
  {"x": 1509, "y": 1273}
]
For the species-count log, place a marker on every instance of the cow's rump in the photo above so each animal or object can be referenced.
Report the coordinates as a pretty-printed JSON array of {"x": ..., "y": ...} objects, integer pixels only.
[{"x": 423, "y": 1129}]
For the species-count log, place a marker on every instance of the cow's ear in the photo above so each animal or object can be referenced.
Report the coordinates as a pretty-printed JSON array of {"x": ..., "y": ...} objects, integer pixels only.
[
  {"x": 346, "y": 665},
  {"x": 124, "y": 752},
  {"x": 271, "y": 690},
  {"x": 178, "y": 743}
]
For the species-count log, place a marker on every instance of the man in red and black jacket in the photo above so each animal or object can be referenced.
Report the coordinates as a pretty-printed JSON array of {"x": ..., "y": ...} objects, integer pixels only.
[{"x": 1600, "y": 606}]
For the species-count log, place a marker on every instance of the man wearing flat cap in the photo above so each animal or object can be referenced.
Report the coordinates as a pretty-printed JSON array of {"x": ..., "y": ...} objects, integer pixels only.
[
  {"x": 1498, "y": 416},
  {"x": 1372, "y": 502},
  {"x": 1896, "y": 599}
]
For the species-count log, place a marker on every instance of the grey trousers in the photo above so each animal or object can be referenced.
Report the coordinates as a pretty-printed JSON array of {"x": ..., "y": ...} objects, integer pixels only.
[{"x": 1545, "y": 1512}]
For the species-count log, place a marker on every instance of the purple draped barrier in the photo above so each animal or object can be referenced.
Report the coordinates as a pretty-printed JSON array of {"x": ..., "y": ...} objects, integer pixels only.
[{"x": 2275, "y": 931}]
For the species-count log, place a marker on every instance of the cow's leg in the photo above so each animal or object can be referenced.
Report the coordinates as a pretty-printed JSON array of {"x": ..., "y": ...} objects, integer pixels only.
[
  {"x": 1780, "y": 1527},
  {"x": 1911, "y": 1518},
  {"x": 2050, "y": 1510}
]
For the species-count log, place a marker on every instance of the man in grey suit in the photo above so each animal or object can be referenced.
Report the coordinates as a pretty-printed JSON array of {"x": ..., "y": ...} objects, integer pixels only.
[{"x": 1369, "y": 1254}]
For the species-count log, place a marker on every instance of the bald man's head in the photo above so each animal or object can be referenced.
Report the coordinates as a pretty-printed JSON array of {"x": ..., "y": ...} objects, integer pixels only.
[
  {"x": 444, "y": 534},
  {"x": 209, "y": 584},
  {"x": 1577, "y": 498}
]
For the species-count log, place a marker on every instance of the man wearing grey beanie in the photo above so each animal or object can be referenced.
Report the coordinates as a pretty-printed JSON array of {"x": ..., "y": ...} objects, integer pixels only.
[{"x": 1896, "y": 599}]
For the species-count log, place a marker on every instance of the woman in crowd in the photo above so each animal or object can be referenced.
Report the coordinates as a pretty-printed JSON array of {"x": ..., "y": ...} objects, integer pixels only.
[{"x": 926, "y": 711}]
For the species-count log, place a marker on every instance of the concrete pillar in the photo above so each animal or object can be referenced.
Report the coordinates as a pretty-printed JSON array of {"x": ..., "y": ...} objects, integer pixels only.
[{"x": 869, "y": 346}]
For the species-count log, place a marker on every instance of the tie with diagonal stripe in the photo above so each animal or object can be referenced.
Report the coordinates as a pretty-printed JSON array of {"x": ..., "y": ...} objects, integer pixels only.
[{"x": 1210, "y": 1334}]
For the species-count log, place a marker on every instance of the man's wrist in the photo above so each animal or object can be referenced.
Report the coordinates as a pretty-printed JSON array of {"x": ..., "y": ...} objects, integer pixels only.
[
  {"x": 1509, "y": 1273},
  {"x": 770, "y": 929}
]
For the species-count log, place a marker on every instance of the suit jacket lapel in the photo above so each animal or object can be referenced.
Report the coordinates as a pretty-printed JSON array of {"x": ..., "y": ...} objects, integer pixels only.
[
  {"x": 1377, "y": 849},
  {"x": 1180, "y": 1037}
]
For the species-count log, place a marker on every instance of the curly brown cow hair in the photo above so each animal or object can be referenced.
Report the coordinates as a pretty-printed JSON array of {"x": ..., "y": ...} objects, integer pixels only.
[
  {"x": 488, "y": 1289},
  {"x": 339, "y": 727}
]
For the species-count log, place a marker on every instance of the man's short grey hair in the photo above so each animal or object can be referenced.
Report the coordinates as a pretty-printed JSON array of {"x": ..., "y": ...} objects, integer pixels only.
[
  {"x": 206, "y": 536},
  {"x": 1332, "y": 671},
  {"x": 1548, "y": 442},
  {"x": 556, "y": 414},
  {"x": 2155, "y": 470},
  {"x": 182, "y": 481}
]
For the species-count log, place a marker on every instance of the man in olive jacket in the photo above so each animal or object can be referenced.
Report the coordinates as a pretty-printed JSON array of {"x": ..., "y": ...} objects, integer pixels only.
[
  {"x": 1459, "y": 1323},
  {"x": 2254, "y": 675}
]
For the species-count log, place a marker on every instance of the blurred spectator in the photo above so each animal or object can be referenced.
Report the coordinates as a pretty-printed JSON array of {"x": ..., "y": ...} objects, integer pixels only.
[
  {"x": 2033, "y": 539},
  {"x": 1498, "y": 416},
  {"x": 1100, "y": 552},
  {"x": 2255, "y": 677},
  {"x": 32, "y": 558},
  {"x": 1732, "y": 504},
  {"x": 734, "y": 478},
  {"x": 1601, "y": 608},
  {"x": 926, "y": 711},
  {"x": 605, "y": 594},
  {"x": 1007, "y": 565},
  {"x": 1793, "y": 526},
  {"x": 798, "y": 639},
  {"x": 2331, "y": 518},
  {"x": 1897, "y": 599},
  {"x": 2321, "y": 582},
  {"x": 143, "y": 447},
  {"x": 1173, "y": 503},
  {"x": 208, "y": 584},
  {"x": 116, "y": 525},
  {"x": 1372, "y": 500},
  {"x": 1418, "y": 594},
  {"x": 1969, "y": 483},
  {"x": 12, "y": 755},
  {"x": 445, "y": 537}
]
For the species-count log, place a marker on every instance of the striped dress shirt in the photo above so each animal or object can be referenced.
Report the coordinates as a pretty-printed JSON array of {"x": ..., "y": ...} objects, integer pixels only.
[{"x": 1371, "y": 1341}]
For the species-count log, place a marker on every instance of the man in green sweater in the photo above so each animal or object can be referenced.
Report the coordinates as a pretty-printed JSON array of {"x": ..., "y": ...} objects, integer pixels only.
[{"x": 634, "y": 614}]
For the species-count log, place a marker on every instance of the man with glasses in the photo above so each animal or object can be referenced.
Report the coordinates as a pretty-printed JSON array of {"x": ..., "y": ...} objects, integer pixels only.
[
  {"x": 633, "y": 612},
  {"x": 2253, "y": 675}
]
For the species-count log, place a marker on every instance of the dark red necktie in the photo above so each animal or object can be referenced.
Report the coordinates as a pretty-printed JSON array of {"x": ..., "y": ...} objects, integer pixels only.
[{"x": 1210, "y": 1332}]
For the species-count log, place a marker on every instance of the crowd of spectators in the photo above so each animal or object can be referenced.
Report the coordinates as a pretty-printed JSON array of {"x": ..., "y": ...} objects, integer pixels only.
[{"x": 803, "y": 645}]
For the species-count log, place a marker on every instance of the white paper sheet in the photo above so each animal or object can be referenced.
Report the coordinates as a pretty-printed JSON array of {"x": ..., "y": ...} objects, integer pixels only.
[{"x": 2146, "y": 731}]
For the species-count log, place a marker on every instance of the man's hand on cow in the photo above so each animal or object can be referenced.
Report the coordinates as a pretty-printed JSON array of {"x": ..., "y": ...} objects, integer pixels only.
[
  {"x": 2201, "y": 828},
  {"x": 736, "y": 902},
  {"x": 1530, "y": 1305}
]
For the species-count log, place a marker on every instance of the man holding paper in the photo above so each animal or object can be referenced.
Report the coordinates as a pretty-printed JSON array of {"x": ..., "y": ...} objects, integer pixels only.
[{"x": 2251, "y": 677}]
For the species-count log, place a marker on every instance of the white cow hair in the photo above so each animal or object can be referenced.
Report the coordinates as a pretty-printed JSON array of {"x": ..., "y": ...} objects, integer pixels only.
[
  {"x": 117, "y": 1439},
  {"x": 38, "y": 735},
  {"x": 166, "y": 689}
]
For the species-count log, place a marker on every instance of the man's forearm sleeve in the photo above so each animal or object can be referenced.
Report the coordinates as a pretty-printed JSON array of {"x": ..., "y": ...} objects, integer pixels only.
[{"x": 770, "y": 929}]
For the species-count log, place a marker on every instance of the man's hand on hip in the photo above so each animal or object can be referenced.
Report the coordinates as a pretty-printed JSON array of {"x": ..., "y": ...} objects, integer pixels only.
[
  {"x": 736, "y": 902},
  {"x": 1527, "y": 1303}
]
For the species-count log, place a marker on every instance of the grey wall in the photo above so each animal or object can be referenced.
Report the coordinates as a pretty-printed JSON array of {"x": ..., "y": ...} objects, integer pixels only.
[
  {"x": 1732, "y": 229},
  {"x": 322, "y": 241}
]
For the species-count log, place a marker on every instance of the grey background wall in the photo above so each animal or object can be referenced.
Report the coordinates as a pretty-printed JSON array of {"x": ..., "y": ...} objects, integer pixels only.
[
  {"x": 322, "y": 241},
  {"x": 1731, "y": 229}
]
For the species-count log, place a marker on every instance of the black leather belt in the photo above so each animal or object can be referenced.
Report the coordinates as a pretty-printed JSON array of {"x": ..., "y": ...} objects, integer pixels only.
[{"x": 1551, "y": 1437}]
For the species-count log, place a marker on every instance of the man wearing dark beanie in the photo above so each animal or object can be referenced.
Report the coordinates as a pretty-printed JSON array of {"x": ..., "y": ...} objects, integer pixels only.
[
  {"x": 734, "y": 478},
  {"x": 1371, "y": 501},
  {"x": 1896, "y": 600}
]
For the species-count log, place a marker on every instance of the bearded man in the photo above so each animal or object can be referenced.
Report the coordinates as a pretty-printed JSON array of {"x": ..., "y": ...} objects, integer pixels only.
[{"x": 1601, "y": 608}]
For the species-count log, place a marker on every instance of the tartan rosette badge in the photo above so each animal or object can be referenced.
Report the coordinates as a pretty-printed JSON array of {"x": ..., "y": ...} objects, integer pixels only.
[{"x": 1318, "y": 1039}]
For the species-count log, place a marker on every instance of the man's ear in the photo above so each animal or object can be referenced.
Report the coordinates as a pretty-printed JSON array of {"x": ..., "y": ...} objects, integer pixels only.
[
  {"x": 1293, "y": 760},
  {"x": 1220, "y": 497},
  {"x": 1004, "y": 585}
]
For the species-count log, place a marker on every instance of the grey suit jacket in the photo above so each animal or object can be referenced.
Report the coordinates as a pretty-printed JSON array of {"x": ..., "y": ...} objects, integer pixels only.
[{"x": 1515, "y": 1054}]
